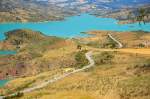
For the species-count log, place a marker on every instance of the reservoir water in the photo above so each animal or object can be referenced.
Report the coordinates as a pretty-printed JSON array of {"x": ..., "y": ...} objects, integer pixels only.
[
  {"x": 73, "y": 26},
  {"x": 3, "y": 82},
  {"x": 7, "y": 52},
  {"x": 70, "y": 27}
]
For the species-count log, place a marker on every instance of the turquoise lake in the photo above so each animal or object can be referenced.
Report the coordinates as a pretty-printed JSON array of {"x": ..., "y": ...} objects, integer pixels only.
[
  {"x": 7, "y": 52},
  {"x": 3, "y": 82},
  {"x": 73, "y": 26},
  {"x": 70, "y": 27}
]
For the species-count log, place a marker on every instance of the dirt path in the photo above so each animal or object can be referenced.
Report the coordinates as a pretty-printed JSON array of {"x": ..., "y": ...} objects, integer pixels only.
[
  {"x": 118, "y": 42},
  {"x": 91, "y": 63}
]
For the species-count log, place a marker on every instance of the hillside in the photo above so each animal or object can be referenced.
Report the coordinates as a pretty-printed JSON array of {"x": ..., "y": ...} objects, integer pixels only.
[
  {"x": 49, "y": 10},
  {"x": 117, "y": 74},
  {"x": 31, "y": 48},
  {"x": 130, "y": 15},
  {"x": 132, "y": 39},
  {"x": 116, "y": 77},
  {"x": 82, "y": 49},
  {"x": 30, "y": 10}
]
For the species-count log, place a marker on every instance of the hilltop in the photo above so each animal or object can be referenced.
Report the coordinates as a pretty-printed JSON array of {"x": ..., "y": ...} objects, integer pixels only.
[{"x": 21, "y": 37}]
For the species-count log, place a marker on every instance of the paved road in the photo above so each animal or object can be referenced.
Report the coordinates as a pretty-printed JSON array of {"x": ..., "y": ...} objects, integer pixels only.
[
  {"x": 118, "y": 42},
  {"x": 91, "y": 63}
]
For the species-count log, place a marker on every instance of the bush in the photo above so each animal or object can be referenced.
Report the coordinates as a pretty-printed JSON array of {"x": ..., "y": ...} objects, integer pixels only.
[
  {"x": 141, "y": 45},
  {"x": 81, "y": 59},
  {"x": 104, "y": 58},
  {"x": 110, "y": 44}
]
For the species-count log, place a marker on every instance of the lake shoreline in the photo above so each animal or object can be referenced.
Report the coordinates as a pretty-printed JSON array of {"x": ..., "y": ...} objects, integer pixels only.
[
  {"x": 3, "y": 82},
  {"x": 67, "y": 28}
]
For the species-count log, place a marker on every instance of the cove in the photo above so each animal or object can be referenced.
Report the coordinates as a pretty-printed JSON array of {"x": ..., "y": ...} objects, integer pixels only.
[
  {"x": 3, "y": 82},
  {"x": 73, "y": 26},
  {"x": 4, "y": 52}
]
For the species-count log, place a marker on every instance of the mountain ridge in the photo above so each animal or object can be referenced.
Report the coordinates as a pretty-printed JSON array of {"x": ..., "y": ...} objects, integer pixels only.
[{"x": 44, "y": 10}]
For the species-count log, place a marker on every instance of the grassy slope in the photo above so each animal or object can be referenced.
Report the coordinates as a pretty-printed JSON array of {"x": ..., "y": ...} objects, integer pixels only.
[
  {"x": 125, "y": 76},
  {"x": 116, "y": 80},
  {"x": 31, "y": 54},
  {"x": 128, "y": 39},
  {"x": 29, "y": 11}
]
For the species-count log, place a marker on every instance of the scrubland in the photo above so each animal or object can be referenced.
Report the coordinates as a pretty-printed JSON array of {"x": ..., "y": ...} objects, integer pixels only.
[{"x": 118, "y": 73}]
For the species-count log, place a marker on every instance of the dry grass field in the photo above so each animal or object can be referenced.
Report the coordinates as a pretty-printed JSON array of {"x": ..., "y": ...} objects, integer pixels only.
[
  {"x": 118, "y": 73},
  {"x": 135, "y": 39},
  {"x": 124, "y": 77}
]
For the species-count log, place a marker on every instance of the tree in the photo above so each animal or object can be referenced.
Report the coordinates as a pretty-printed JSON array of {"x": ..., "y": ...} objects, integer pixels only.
[
  {"x": 79, "y": 47},
  {"x": 81, "y": 59},
  {"x": 17, "y": 43},
  {"x": 141, "y": 45},
  {"x": 141, "y": 14}
]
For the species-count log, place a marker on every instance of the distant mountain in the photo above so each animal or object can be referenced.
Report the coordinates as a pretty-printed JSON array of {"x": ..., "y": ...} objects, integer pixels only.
[
  {"x": 43, "y": 10},
  {"x": 31, "y": 10},
  {"x": 98, "y": 4}
]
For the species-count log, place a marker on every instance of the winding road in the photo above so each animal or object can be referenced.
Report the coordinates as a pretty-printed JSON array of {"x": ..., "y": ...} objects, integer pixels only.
[
  {"x": 88, "y": 55},
  {"x": 120, "y": 45},
  {"x": 56, "y": 78}
]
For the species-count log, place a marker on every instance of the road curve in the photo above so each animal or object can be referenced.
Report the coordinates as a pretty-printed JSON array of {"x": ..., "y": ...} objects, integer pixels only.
[
  {"x": 88, "y": 55},
  {"x": 118, "y": 42}
]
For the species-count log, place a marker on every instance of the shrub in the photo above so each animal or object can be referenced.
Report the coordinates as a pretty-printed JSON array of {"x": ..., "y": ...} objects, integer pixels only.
[
  {"x": 141, "y": 45},
  {"x": 104, "y": 58},
  {"x": 110, "y": 44},
  {"x": 81, "y": 59}
]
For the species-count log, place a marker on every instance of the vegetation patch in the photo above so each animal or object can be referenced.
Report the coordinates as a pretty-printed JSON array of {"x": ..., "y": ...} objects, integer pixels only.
[
  {"x": 95, "y": 44},
  {"x": 138, "y": 86},
  {"x": 81, "y": 59},
  {"x": 104, "y": 58},
  {"x": 110, "y": 43}
]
